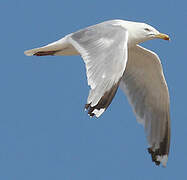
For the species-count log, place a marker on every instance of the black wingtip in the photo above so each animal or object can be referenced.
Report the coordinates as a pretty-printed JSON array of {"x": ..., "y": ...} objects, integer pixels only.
[
  {"x": 103, "y": 103},
  {"x": 154, "y": 155},
  {"x": 90, "y": 110},
  {"x": 160, "y": 155}
]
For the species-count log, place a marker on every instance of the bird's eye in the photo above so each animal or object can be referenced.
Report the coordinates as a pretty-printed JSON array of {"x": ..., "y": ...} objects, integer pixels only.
[{"x": 147, "y": 29}]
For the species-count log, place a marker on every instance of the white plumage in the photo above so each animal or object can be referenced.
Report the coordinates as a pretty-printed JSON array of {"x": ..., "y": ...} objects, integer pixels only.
[{"x": 113, "y": 57}]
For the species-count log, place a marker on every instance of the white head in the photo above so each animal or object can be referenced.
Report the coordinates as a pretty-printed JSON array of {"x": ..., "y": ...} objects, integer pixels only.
[{"x": 141, "y": 32}]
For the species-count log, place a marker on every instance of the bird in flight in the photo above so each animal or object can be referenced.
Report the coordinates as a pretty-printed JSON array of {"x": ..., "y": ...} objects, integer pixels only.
[{"x": 113, "y": 58}]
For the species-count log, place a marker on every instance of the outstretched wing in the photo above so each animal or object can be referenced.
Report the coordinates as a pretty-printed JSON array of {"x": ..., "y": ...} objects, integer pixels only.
[
  {"x": 103, "y": 48},
  {"x": 146, "y": 88}
]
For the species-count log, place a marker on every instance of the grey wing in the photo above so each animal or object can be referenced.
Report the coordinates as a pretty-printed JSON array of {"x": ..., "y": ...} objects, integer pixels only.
[
  {"x": 103, "y": 48},
  {"x": 146, "y": 88}
]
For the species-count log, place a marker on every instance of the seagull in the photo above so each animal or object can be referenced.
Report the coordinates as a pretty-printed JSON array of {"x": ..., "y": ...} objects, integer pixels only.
[{"x": 114, "y": 58}]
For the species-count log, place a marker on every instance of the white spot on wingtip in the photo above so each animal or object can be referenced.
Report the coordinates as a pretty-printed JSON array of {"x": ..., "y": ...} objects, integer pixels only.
[
  {"x": 98, "y": 112},
  {"x": 163, "y": 159}
]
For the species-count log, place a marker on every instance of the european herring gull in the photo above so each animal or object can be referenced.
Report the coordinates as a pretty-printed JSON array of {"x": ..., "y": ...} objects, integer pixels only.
[{"x": 113, "y": 58}]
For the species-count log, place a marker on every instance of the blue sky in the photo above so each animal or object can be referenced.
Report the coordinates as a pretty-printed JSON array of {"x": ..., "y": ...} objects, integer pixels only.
[{"x": 44, "y": 131}]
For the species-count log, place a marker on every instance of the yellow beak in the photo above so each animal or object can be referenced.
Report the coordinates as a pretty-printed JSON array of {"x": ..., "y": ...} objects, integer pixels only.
[{"x": 162, "y": 36}]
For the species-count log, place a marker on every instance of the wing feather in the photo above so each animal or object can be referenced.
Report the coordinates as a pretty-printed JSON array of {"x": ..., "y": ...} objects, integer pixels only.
[
  {"x": 146, "y": 88},
  {"x": 103, "y": 48}
]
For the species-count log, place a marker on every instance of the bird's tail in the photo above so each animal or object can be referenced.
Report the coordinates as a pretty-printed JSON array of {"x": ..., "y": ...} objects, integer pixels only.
[{"x": 60, "y": 47}]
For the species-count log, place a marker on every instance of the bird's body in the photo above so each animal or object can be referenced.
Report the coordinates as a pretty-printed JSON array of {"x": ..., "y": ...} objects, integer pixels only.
[{"x": 113, "y": 58}]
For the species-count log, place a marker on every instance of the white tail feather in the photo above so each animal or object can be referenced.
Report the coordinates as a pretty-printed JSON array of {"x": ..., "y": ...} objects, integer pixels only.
[{"x": 60, "y": 47}]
